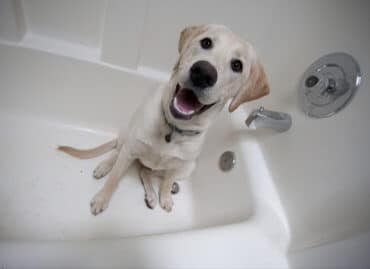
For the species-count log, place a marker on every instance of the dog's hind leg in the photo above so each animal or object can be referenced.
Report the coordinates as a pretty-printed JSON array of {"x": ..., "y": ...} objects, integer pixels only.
[
  {"x": 106, "y": 165},
  {"x": 146, "y": 175},
  {"x": 165, "y": 197}
]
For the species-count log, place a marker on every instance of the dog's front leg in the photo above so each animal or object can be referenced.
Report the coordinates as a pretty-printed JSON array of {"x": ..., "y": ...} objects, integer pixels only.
[
  {"x": 146, "y": 175},
  {"x": 165, "y": 197},
  {"x": 101, "y": 200}
]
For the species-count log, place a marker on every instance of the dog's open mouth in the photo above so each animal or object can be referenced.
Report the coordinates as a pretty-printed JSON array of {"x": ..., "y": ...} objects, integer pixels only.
[{"x": 185, "y": 104}]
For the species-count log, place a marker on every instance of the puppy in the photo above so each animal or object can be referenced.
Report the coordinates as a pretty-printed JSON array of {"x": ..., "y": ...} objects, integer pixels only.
[{"x": 167, "y": 131}]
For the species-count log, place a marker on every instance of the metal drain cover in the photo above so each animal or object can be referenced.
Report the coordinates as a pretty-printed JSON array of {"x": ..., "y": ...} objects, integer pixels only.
[
  {"x": 227, "y": 161},
  {"x": 329, "y": 84},
  {"x": 175, "y": 188}
]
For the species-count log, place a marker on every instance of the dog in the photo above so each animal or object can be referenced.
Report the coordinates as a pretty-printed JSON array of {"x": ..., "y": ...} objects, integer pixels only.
[{"x": 167, "y": 131}]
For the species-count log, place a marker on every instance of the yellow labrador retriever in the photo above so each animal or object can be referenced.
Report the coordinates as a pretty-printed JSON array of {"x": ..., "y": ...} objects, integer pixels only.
[{"x": 167, "y": 131}]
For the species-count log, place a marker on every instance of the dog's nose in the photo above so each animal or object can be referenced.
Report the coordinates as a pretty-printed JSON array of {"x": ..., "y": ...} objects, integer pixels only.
[{"x": 203, "y": 74}]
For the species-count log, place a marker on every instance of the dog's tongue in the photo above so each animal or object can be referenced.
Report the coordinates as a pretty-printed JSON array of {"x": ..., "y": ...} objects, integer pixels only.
[{"x": 187, "y": 102}]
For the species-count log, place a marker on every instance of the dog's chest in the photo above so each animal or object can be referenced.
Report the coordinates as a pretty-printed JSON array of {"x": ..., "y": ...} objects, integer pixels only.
[{"x": 158, "y": 159}]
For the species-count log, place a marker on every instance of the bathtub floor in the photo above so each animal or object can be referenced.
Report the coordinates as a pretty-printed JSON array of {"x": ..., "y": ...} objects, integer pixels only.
[{"x": 45, "y": 194}]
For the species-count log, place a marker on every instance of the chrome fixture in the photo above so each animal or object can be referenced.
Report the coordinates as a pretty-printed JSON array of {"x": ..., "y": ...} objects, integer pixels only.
[
  {"x": 329, "y": 84},
  {"x": 263, "y": 118},
  {"x": 227, "y": 161},
  {"x": 175, "y": 188}
]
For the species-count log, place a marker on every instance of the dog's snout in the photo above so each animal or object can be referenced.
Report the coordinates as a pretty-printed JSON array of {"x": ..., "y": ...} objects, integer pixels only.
[{"x": 203, "y": 74}]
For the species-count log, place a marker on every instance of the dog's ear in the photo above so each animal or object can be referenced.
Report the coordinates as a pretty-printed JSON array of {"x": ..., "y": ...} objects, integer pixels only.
[
  {"x": 188, "y": 34},
  {"x": 256, "y": 87}
]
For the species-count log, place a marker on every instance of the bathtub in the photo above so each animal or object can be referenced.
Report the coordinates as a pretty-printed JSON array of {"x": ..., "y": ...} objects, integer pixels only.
[
  {"x": 74, "y": 72},
  {"x": 48, "y": 100}
]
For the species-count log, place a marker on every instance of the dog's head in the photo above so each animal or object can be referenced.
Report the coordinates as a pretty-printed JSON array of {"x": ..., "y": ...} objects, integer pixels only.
[{"x": 214, "y": 65}]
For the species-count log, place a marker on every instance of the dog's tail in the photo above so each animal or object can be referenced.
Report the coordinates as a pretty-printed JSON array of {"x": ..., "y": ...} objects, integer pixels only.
[{"x": 89, "y": 153}]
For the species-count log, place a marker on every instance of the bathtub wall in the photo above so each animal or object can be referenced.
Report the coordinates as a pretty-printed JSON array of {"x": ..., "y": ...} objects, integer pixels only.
[
  {"x": 320, "y": 167},
  {"x": 143, "y": 34}
]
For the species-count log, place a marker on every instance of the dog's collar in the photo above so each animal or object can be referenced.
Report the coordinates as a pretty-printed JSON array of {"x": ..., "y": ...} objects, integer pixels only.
[{"x": 173, "y": 128}]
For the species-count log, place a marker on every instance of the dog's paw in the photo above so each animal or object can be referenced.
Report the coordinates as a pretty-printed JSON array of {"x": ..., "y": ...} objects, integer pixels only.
[
  {"x": 99, "y": 203},
  {"x": 102, "y": 170},
  {"x": 166, "y": 203},
  {"x": 151, "y": 200}
]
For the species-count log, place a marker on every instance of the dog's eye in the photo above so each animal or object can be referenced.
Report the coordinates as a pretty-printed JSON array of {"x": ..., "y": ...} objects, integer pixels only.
[
  {"x": 206, "y": 43},
  {"x": 236, "y": 65}
]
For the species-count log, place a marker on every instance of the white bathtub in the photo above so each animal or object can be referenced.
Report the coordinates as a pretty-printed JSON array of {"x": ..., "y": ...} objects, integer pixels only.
[
  {"x": 47, "y": 100},
  {"x": 73, "y": 72}
]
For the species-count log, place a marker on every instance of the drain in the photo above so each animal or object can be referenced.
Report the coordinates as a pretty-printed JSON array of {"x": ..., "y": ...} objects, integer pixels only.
[
  {"x": 175, "y": 188},
  {"x": 227, "y": 161}
]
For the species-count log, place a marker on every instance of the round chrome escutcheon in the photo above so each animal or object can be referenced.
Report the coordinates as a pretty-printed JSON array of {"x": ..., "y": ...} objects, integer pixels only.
[
  {"x": 227, "y": 161},
  {"x": 329, "y": 84}
]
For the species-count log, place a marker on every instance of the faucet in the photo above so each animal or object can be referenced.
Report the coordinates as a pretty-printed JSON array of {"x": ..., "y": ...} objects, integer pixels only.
[{"x": 264, "y": 118}]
